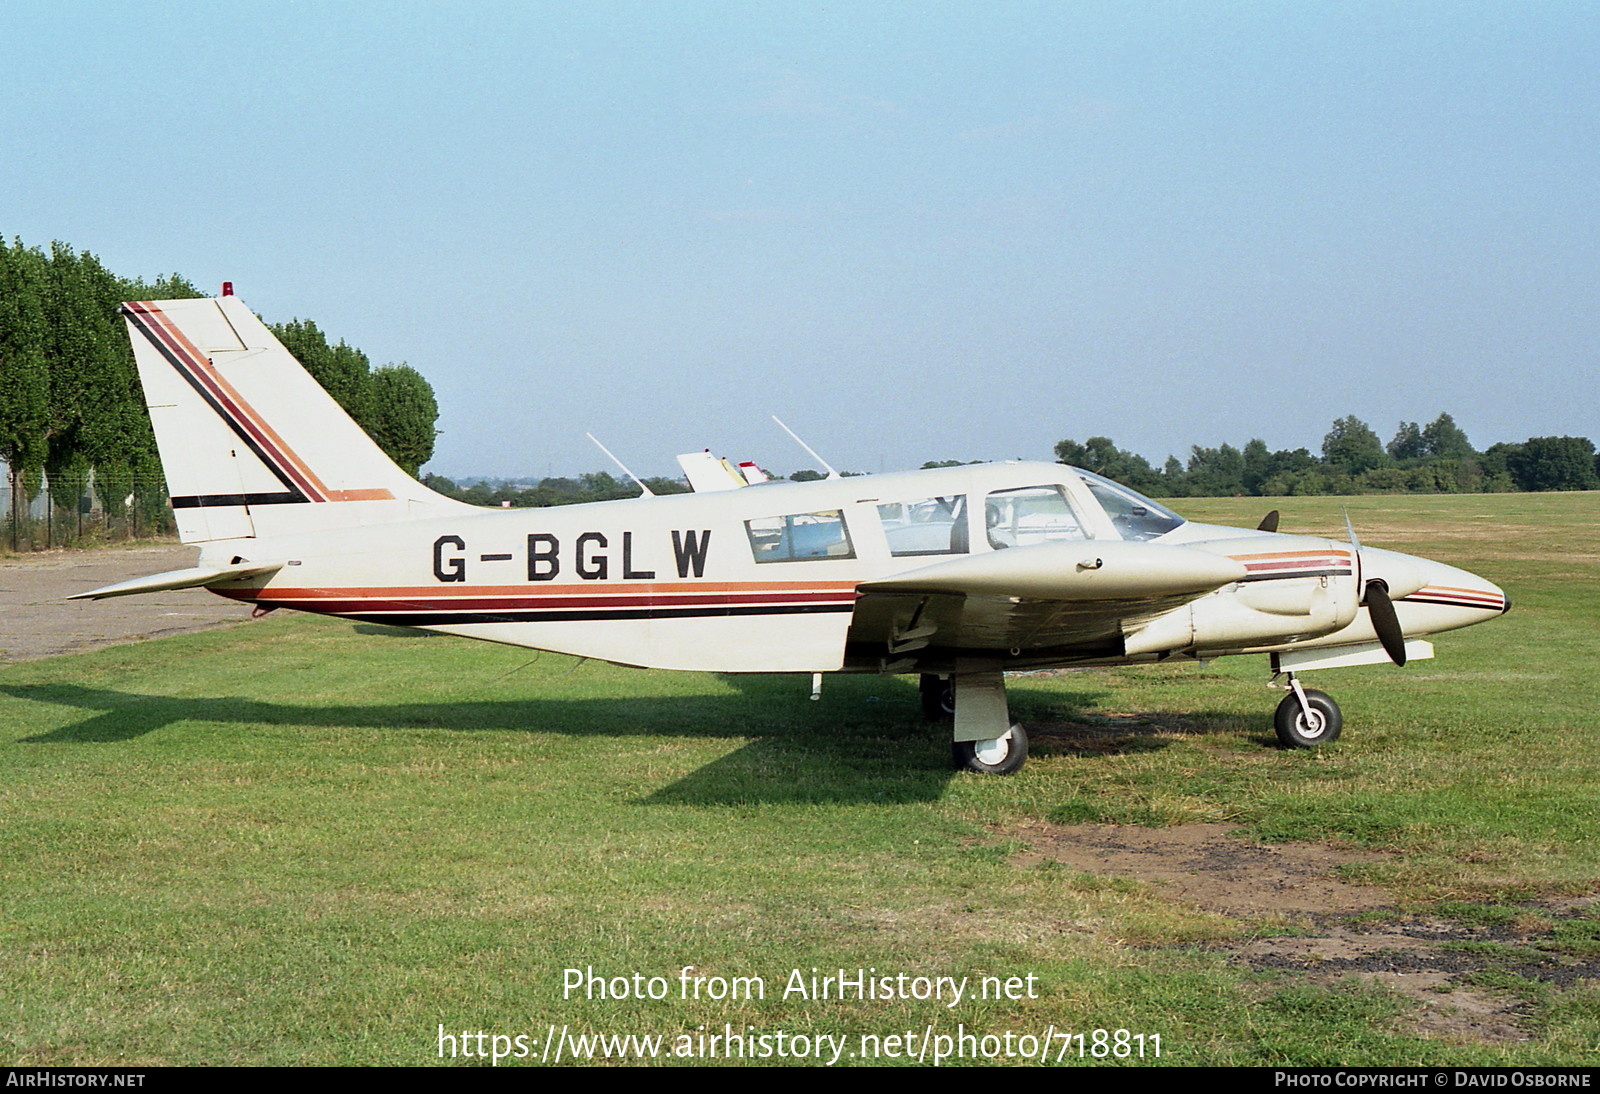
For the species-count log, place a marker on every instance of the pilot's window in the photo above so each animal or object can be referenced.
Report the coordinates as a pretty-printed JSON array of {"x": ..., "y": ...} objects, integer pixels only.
[
  {"x": 926, "y": 526},
  {"x": 1031, "y": 514},
  {"x": 1135, "y": 516},
  {"x": 799, "y": 537}
]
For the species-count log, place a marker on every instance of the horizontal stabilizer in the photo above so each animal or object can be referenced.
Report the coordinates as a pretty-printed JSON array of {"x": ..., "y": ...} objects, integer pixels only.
[{"x": 194, "y": 577}]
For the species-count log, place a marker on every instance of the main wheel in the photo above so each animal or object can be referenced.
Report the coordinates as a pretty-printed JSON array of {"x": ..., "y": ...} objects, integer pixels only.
[
  {"x": 1000, "y": 756},
  {"x": 938, "y": 697},
  {"x": 1296, "y": 730}
]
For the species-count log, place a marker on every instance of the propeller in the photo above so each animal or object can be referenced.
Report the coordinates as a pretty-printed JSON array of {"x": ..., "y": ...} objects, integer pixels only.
[
  {"x": 1374, "y": 596},
  {"x": 1269, "y": 523},
  {"x": 1380, "y": 609}
]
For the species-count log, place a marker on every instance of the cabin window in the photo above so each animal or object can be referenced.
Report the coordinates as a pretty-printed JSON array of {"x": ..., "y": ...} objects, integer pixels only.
[
  {"x": 927, "y": 526},
  {"x": 800, "y": 537},
  {"x": 1028, "y": 515}
]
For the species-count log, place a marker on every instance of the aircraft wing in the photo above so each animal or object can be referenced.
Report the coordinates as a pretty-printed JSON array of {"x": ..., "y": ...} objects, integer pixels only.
[{"x": 1046, "y": 599}]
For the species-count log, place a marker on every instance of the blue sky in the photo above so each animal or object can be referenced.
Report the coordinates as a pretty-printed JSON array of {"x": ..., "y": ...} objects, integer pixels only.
[{"x": 912, "y": 231}]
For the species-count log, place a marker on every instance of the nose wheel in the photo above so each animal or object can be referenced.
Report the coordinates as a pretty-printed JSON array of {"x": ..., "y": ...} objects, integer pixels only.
[{"x": 1307, "y": 718}]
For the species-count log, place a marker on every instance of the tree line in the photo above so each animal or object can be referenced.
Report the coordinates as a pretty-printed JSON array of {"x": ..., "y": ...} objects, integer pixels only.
[
  {"x": 1436, "y": 458},
  {"x": 1433, "y": 459},
  {"x": 70, "y": 400},
  {"x": 71, "y": 406},
  {"x": 554, "y": 490}
]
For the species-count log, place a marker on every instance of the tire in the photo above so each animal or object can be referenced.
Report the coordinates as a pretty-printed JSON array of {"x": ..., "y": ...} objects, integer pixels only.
[
  {"x": 1001, "y": 756},
  {"x": 1294, "y": 729},
  {"x": 938, "y": 697}
]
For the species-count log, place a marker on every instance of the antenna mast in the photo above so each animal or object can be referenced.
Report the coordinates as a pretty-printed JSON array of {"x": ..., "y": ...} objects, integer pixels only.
[
  {"x": 832, "y": 474},
  {"x": 648, "y": 493}
]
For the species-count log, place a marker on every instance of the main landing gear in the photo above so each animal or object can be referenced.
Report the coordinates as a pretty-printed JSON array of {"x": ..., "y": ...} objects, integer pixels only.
[
  {"x": 1306, "y": 718},
  {"x": 985, "y": 739},
  {"x": 1003, "y": 755}
]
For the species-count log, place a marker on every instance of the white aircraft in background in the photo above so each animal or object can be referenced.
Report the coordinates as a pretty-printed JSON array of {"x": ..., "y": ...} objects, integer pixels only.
[{"x": 957, "y": 574}]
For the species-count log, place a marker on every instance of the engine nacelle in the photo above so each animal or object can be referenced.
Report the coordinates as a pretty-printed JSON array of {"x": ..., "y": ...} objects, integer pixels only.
[{"x": 1295, "y": 588}]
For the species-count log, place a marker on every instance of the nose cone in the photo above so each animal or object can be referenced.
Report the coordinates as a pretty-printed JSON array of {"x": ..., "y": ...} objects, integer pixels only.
[{"x": 1430, "y": 596}]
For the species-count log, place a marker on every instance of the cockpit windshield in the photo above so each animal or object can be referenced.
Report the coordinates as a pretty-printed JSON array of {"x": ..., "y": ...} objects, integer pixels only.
[{"x": 1135, "y": 516}]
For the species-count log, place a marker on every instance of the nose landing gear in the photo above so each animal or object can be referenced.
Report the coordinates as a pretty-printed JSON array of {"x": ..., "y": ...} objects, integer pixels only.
[{"x": 1306, "y": 718}]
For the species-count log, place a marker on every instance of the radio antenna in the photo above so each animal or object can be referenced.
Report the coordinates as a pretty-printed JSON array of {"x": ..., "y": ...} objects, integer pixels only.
[
  {"x": 832, "y": 474},
  {"x": 648, "y": 493}
]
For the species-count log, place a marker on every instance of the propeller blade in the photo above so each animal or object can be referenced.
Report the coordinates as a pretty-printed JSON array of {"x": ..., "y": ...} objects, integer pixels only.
[
  {"x": 1385, "y": 622},
  {"x": 1269, "y": 523},
  {"x": 1355, "y": 555}
]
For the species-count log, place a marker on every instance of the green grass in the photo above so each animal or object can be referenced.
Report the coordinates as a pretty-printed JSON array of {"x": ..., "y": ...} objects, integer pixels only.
[{"x": 299, "y": 841}]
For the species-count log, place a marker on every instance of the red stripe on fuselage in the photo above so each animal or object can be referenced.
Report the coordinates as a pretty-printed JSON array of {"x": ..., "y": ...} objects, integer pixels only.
[
  {"x": 1450, "y": 596},
  {"x": 567, "y": 596},
  {"x": 338, "y": 606},
  {"x": 1324, "y": 563}
]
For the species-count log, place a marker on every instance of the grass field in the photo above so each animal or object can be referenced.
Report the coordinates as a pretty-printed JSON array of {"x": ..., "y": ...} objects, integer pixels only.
[{"x": 302, "y": 841}]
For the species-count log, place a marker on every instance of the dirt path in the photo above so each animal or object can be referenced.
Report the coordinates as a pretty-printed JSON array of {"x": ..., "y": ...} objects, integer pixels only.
[
  {"x": 36, "y": 619},
  {"x": 1341, "y": 929}
]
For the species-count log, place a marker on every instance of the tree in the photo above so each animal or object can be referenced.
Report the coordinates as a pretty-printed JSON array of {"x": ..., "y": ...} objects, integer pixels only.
[
  {"x": 1553, "y": 463},
  {"x": 403, "y": 411},
  {"x": 366, "y": 394},
  {"x": 24, "y": 365},
  {"x": 1257, "y": 465},
  {"x": 342, "y": 371},
  {"x": 660, "y": 485},
  {"x": 1100, "y": 455},
  {"x": 1352, "y": 447},
  {"x": 1173, "y": 482},
  {"x": 1216, "y": 472},
  {"x": 1408, "y": 443},
  {"x": 70, "y": 397},
  {"x": 1442, "y": 439},
  {"x": 170, "y": 287}
]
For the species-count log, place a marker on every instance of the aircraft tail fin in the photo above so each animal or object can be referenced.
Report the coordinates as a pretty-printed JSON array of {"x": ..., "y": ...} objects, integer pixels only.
[
  {"x": 707, "y": 473},
  {"x": 251, "y": 444}
]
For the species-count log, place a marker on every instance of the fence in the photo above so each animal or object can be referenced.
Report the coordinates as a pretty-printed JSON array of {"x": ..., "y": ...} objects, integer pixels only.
[{"x": 44, "y": 520}]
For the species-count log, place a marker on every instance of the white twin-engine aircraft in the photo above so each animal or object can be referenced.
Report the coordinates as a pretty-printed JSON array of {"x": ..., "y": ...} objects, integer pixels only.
[{"x": 957, "y": 574}]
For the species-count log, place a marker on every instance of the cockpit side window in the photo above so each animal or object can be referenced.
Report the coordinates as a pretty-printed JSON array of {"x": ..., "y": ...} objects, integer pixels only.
[
  {"x": 800, "y": 537},
  {"x": 925, "y": 526},
  {"x": 1134, "y": 515},
  {"x": 1028, "y": 515}
]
